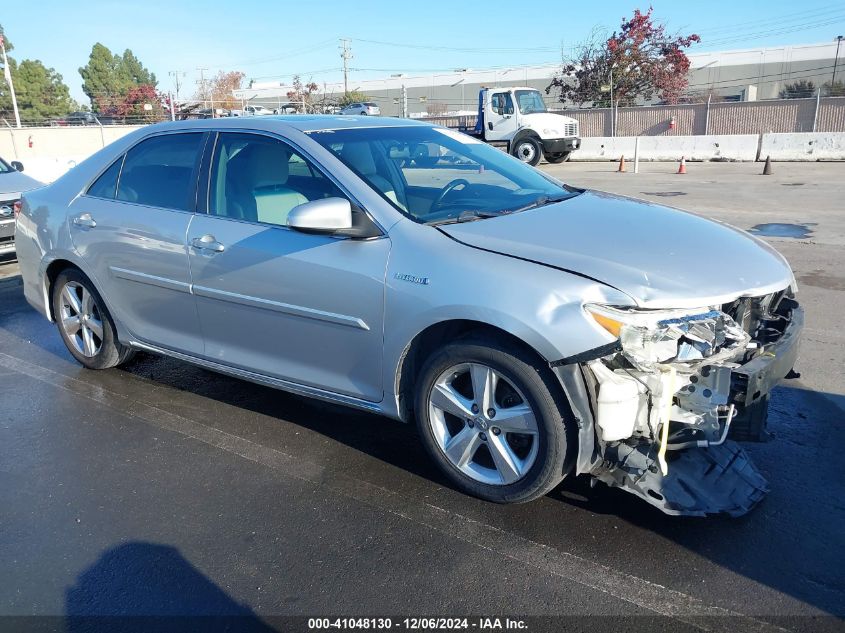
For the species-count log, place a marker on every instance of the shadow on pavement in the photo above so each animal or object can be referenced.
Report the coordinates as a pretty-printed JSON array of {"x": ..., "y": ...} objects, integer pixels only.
[
  {"x": 803, "y": 465},
  {"x": 141, "y": 587}
]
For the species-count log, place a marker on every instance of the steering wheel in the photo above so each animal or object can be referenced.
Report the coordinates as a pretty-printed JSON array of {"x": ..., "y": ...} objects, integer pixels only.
[{"x": 449, "y": 188}]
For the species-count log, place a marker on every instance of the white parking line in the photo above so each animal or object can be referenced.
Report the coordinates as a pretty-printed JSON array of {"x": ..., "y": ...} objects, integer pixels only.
[{"x": 632, "y": 589}]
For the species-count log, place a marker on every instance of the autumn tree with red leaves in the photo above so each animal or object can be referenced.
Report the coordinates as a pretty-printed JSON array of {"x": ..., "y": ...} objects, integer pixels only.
[
  {"x": 643, "y": 59},
  {"x": 303, "y": 94}
]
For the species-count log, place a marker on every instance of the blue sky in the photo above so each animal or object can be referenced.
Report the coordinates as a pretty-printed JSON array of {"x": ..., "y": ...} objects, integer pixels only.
[{"x": 275, "y": 39}]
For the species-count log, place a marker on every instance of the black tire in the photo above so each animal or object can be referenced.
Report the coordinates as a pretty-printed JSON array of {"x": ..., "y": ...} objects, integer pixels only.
[
  {"x": 111, "y": 352},
  {"x": 555, "y": 424},
  {"x": 364, "y": 114},
  {"x": 528, "y": 150},
  {"x": 560, "y": 157}
]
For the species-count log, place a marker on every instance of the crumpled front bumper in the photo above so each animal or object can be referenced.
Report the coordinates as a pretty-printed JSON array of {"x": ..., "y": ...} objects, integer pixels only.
[{"x": 702, "y": 476}]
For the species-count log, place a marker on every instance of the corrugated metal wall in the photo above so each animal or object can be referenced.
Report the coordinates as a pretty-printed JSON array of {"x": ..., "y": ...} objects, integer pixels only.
[{"x": 749, "y": 117}]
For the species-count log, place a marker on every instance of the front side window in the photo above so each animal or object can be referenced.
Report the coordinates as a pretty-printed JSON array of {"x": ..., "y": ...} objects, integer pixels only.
[
  {"x": 437, "y": 175},
  {"x": 502, "y": 103},
  {"x": 530, "y": 101},
  {"x": 159, "y": 171},
  {"x": 261, "y": 179}
]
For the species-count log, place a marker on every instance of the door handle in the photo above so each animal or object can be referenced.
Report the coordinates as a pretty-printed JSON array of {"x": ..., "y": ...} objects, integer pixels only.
[
  {"x": 84, "y": 220},
  {"x": 207, "y": 243}
]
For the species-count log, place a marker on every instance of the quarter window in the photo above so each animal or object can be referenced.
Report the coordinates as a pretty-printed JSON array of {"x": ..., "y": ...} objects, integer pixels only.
[
  {"x": 260, "y": 179},
  {"x": 106, "y": 185},
  {"x": 160, "y": 171}
]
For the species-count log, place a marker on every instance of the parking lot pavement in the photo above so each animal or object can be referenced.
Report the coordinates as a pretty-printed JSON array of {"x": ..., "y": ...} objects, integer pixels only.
[{"x": 164, "y": 488}]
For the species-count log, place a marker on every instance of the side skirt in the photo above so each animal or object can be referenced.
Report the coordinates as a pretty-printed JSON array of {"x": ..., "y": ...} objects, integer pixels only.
[{"x": 261, "y": 379}]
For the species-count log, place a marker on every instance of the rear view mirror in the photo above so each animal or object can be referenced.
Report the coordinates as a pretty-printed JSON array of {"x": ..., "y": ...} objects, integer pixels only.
[
  {"x": 329, "y": 215},
  {"x": 17, "y": 165},
  {"x": 397, "y": 152}
]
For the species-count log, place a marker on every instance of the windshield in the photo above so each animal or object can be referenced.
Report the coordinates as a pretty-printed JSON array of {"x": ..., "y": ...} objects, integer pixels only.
[
  {"x": 530, "y": 101},
  {"x": 437, "y": 175}
]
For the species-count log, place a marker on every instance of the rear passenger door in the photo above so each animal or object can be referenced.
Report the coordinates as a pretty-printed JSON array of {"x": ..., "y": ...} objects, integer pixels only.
[{"x": 130, "y": 227}]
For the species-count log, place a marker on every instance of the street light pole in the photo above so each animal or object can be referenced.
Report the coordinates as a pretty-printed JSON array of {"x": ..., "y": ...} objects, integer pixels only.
[
  {"x": 7, "y": 73},
  {"x": 839, "y": 39}
]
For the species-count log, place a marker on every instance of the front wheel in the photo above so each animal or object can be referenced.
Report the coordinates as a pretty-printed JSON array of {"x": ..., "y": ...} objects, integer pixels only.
[
  {"x": 84, "y": 323},
  {"x": 559, "y": 157},
  {"x": 488, "y": 416},
  {"x": 528, "y": 150}
]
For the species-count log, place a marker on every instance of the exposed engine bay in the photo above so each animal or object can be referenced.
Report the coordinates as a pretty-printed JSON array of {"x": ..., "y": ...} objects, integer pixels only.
[{"x": 676, "y": 391}]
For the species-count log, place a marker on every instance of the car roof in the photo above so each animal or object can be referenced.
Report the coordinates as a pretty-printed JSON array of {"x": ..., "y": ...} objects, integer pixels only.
[{"x": 301, "y": 122}]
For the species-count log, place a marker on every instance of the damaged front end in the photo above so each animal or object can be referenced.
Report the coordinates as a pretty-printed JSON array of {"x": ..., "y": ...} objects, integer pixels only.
[{"x": 667, "y": 398}]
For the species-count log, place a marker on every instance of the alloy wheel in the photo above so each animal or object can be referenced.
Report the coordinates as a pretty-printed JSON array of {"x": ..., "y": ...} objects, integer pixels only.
[
  {"x": 483, "y": 424},
  {"x": 81, "y": 319}
]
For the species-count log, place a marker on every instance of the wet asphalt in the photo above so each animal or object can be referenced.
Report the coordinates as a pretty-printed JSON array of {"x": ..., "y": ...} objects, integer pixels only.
[{"x": 161, "y": 488}]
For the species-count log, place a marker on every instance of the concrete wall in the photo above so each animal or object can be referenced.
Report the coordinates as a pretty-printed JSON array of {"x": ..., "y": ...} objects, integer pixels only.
[
  {"x": 48, "y": 152},
  {"x": 725, "y": 147},
  {"x": 55, "y": 150},
  {"x": 813, "y": 146}
]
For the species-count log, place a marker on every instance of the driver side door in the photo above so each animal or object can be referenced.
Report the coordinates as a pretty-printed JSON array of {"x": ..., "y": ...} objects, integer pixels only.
[
  {"x": 299, "y": 307},
  {"x": 501, "y": 126}
]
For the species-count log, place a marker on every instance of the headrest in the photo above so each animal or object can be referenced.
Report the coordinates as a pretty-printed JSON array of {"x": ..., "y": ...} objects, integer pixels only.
[{"x": 359, "y": 156}]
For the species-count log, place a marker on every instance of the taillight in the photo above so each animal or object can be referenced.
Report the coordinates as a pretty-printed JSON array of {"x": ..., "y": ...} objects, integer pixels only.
[{"x": 16, "y": 207}]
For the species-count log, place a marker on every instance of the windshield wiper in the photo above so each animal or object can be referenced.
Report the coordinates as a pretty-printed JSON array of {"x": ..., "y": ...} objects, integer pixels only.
[
  {"x": 541, "y": 202},
  {"x": 468, "y": 215}
]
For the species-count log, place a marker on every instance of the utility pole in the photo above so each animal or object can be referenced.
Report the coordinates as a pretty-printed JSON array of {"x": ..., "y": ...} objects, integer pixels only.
[
  {"x": 177, "y": 82},
  {"x": 346, "y": 55},
  {"x": 203, "y": 93},
  {"x": 7, "y": 73},
  {"x": 839, "y": 39},
  {"x": 404, "y": 102}
]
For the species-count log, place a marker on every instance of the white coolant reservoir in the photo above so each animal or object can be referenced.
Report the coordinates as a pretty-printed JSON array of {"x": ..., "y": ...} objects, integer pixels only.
[{"x": 619, "y": 402}]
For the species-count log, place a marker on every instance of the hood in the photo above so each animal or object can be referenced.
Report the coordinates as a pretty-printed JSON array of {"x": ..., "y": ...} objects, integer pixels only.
[
  {"x": 15, "y": 182},
  {"x": 659, "y": 256},
  {"x": 546, "y": 120}
]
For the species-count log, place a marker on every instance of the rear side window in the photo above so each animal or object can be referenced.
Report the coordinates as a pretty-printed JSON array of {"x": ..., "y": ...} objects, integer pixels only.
[
  {"x": 106, "y": 185},
  {"x": 159, "y": 172}
]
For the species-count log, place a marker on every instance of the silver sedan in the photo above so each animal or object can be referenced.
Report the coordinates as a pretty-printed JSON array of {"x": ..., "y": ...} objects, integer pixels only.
[{"x": 530, "y": 329}]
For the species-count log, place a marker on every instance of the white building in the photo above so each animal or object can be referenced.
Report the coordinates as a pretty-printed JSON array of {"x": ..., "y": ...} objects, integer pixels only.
[{"x": 744, "y": 75}]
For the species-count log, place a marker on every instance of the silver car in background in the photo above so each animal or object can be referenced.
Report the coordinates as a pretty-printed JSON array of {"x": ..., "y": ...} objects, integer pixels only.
[
  {"x": 12, "y": 184},
  {"x": 366, "y": 108},
  {"x": 531, "y": 330}
]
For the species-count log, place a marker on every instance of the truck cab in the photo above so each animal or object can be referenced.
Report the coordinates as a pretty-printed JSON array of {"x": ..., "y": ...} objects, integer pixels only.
[{"x": 518, "y": 119}]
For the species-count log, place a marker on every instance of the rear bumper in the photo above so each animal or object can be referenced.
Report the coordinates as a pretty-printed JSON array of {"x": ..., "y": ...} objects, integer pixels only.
[{"x": 560, "y": 145}]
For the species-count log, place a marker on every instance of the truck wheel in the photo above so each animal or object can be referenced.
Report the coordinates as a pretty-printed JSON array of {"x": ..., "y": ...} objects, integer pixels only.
[
  {"x": 559, "y": 157},
  {"x": 488, "y": 415},
  {"x": 528, "y": 150}
]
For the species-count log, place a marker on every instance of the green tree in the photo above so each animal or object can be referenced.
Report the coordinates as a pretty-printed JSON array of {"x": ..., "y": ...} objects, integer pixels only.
[
  {"x": 353, "y": 96},
  {"x": 107, "y": 78},
  {"x": 135, "y": 70},
  {"x": 798, "y": 90},
  {"x": 834, "y": 90},
  {"x": 41, "y": 93}
]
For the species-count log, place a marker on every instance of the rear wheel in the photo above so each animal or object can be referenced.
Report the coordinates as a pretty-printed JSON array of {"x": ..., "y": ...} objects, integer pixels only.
[
  {"x": 559, "y": 157},
  {"x": 487, "y": 415},
  {"x": 528, "y": 150},
  {"x": 84, "y": 323}
]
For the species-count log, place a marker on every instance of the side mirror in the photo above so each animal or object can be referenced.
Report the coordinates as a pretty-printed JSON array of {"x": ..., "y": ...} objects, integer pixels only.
[
  {"x": 17, "y": 165},
  {"x": 329, "y": 215},
  {"x": 500, "y": 110}
]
